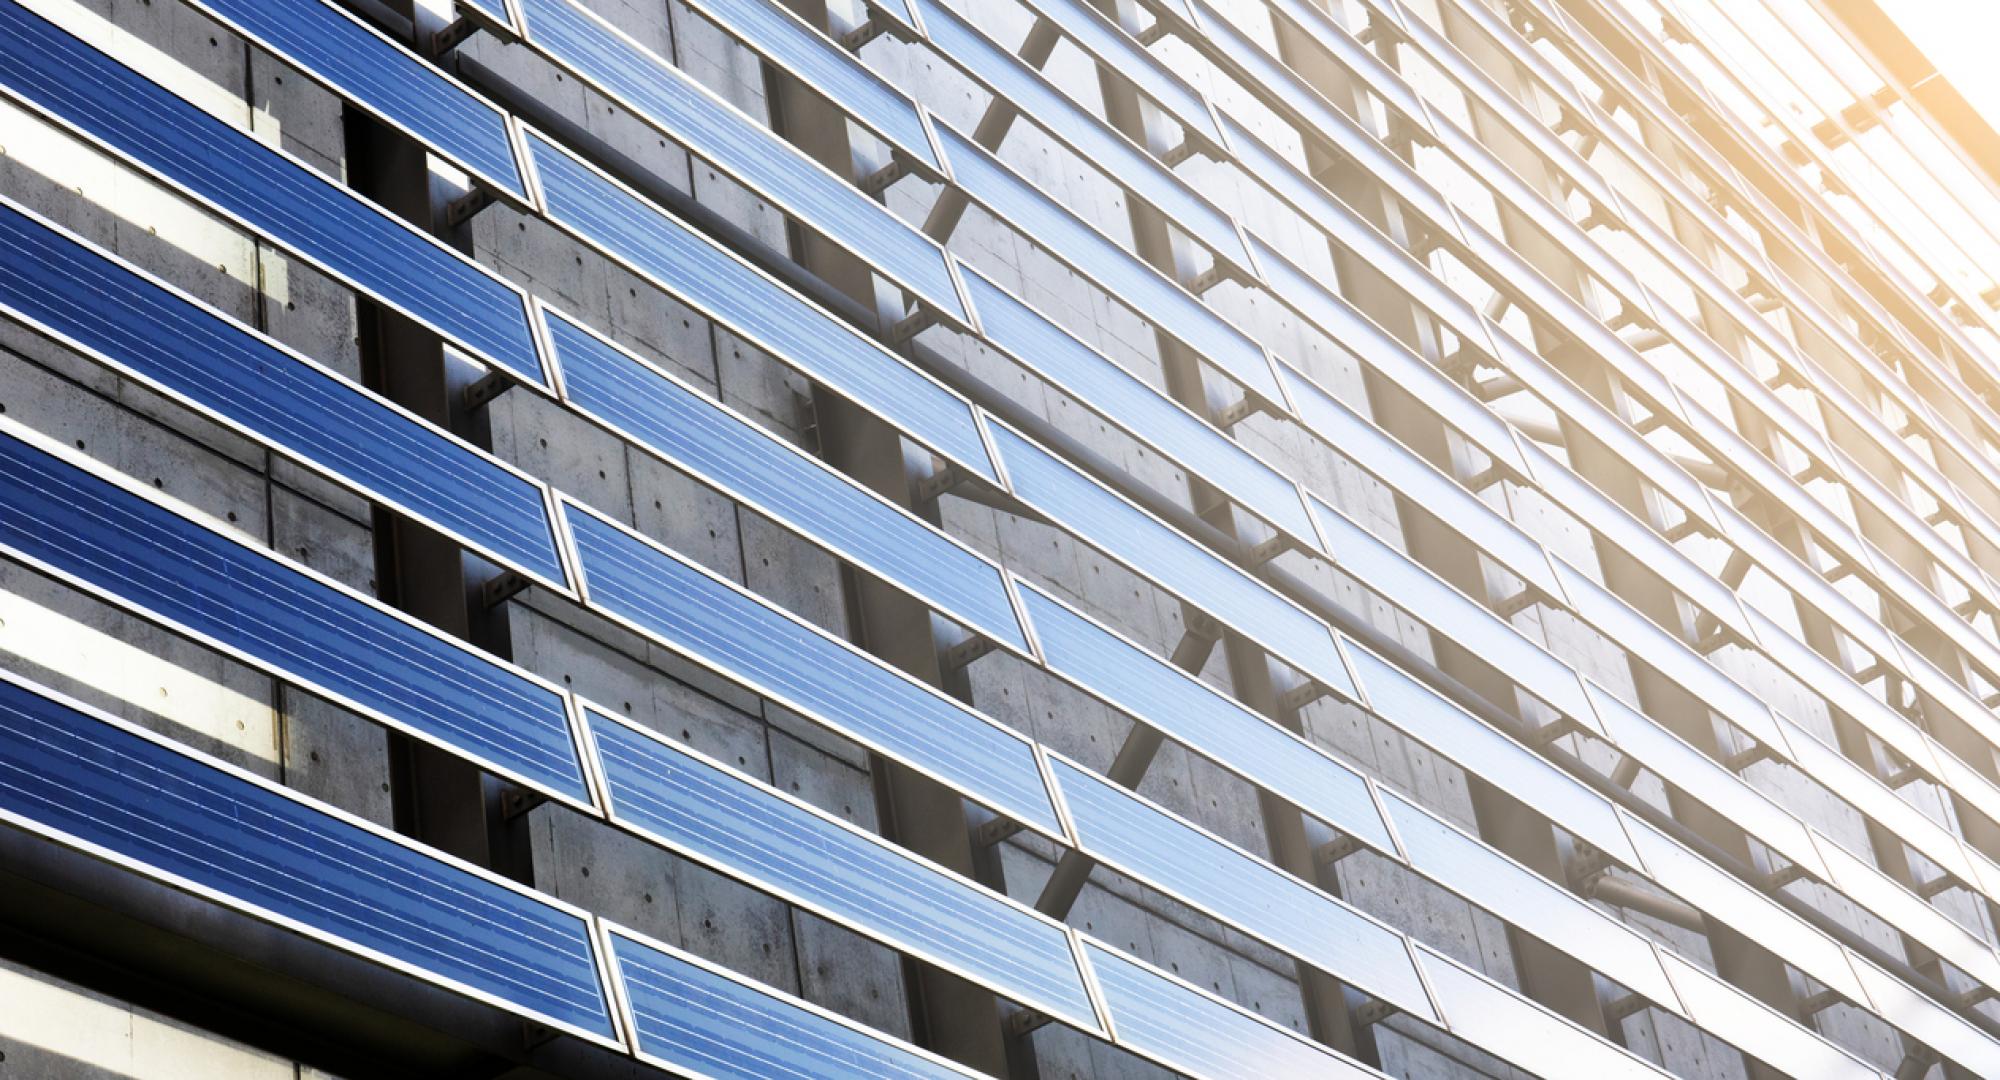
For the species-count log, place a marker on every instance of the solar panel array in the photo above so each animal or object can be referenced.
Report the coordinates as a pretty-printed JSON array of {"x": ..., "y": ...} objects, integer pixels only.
[{"x": 1873, "y": 563}]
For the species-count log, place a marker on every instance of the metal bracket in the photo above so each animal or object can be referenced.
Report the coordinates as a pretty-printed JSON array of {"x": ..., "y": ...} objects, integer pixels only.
[
  {"x": 1785, "y": 875},
  {"x": 501, "y": 588},
  {"x": 1374, "y": 1011},
  {"x": 1491, "y": 390},
  {"x": 1625, "y": 1008},
  {"x": 1260, "y": 554},
  {"x": 1302, "y": 695},
  {"x": 1333, "y": 851},
  {"x": 1943, "y": 883},
  {"x": 1023, "y": 1021},
  {"x": 922, "y": 320},
  {"x": 516, "y": 801},
  {"x": 1743, "y": 759},
  {"x": 1521, "y": 601},
  {"x": 965, "y": 652},
  {"x": 1154, "y": 34},
  {"x": 1820, "y": 1002},
  {"x": 1218, "y": 273},
  {"x": 1548, "y": 733},
  {"x": 461, "y": 30},
  {"x": 467, "y": 206},
  {"x": 1237, "y": 411},
  {"x": 535, "y": 1033},
  {"x": 481, "y": 393},
  {"x": 884, "y": 178},
  {"x": 994, "y": 832},
  {"x": 876, "y": 25},
  {"x": 940, "y": 483}
]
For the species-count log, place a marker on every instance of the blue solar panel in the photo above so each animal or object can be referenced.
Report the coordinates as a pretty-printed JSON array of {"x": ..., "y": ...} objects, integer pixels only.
[
  {"x": 492, "y": 11},
  {"x": 267, "y": 192},
  {"x": 1180, "y": 566},
  {"x": 1200, "y": 1036},
  {"x": 268, "y": 612},
  {"x": 1420, "y": 712},
  {"x": 747, "y": 830},
  {"x": 1116, "y": 50},
  {"x": 685, "y": 110},
  {"x": 726, "y": 628},
  {"x": 1121, "y": 274},
  {"x": 1187, "y": 710},
  {"x": 1128, "y": 401},
  {"x": 826, "y": 67},
  {"x": 1001, "y": 72},
  {"x": 1132, "y": 837},
  {"x": 1421, "y": 483},
  {"x": 793, "y": 488},
  {"x": 700, "y": 1020},
  {"x": 753, "y": 305},
  {"x": 382, "y": 77},
  {"x": 96, "y": 304},
  {"x": 1411, "y": 586},
  {"x": 95, "y": 783}
]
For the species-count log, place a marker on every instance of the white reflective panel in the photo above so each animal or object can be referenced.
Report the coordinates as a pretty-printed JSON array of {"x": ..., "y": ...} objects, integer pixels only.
[
  {"x": 1189, "y": 711},
  {"x": 1667, "y": 654},
  {"x": 1418, "y": 710},
  {"x": 1420, "y": 482},
  {"x": 1869, "y": 795},
  {"x": 1130, "y": 402},
  {"x": 1177, "y": 564},
  {"x": 1091, "y": 138},
  {"x": 1491, "y": 1017},
  {"x": 1931, "y": 1023},
  {"x": 669, "y": 99},
  {"x": 1759, "y": 1030},
  {"x": 1705, "y": 780},
  {"x": 828, "y": 69},
  {"x": 1878, "y": 892},
  {"x": 1199, "y": 1035},
  {"x": 1124, "y": 276},
  {"x": 751, "y": 303},
  {"x": 1135, "y": 837},
  {"x": 1374, "y": 346},
  {"x": 1115, "y": 49},
  {"x": 1531, "y": 902},
  {"x": 1730, "y": 901},
  {"x": 1452, "y": 613}
]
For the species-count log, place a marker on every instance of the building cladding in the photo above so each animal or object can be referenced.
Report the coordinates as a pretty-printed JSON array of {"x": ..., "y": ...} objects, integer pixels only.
[{"x": 1036, "y": 539}]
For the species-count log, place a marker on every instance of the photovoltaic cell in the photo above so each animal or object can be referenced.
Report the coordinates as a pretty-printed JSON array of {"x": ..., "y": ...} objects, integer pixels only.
[
  {"x": 1124, "y": 276},
  {"x": 697, "y": 1020},
  {"x": 1115, "y": 49},
  {"x": 1199, "y": 1036},
  {"x": 1128, "y": 401},
  {"x": 752, "y": 304},
  {"x": 1417, "y": 710},
  {"x": 266, "y": 191},
  {"x": 94, "y": 303},
  {"x": 303, "y": 630},
  {"x": 96, "y": 784},
  {"x": 723, "y": 449},
  {"x": 745, "y": 829},
  {"x": 1758, "y": 1030},
  {"x": 1001, "y": 72},
  {"x": 1521, "y": 1033},
  {"x": 1130, "y": 836},
  {"x": 669, "y": 99},
  {"x": 726, "y": 628},
  {"x": 827, "y": 68},
  {"x": 382, "y": 77},
  {"x": 1187, "y": 710}
]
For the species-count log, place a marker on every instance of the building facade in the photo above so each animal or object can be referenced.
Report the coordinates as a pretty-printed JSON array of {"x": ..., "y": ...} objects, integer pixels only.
[{"x": 1036, "y": 539}]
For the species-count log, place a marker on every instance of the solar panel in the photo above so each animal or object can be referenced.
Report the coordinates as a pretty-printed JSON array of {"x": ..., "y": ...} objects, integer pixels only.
[
  {"x": 1933, "y": 929},
  {"x": 1521, "y": 1032},
  {"x": 1451, "y": 613},
  {"x": 1199, "y": 1035},
  {"x": 669, "y": 99},
  {"x": 1177, "y": 564},
  {"x": 722, "y": 626},
  {"x": 1759, "y": 1030},
  {"x": 1187, "y": 710},
  {"x": 748, "y": 830},
  {"x": 1376, "y": 347},
  {"x": 366, "y": 67},
  {"x": 148, "y": 805},
  {"x": 1868, "y": 794},
  {"x": 699, "y": 1019},
  {"x": 722, "y": 448},
  {"x": 1128, "y": 401},
  {"x": 1420, "y": 482},
  {"x": 1528, "y": 901},
  {"x": 1122, "y": 275},
  {"x": 828, "y": 69},
  {"x": 1930, "y": 1023},
  {"x": 1115, "y": 49},
  {"x": 755, "y": 306},
  {"x": 96, "y": 304},
  {"x": 1135, "y": 838},
  {"x": 265, "y": 191},
  {"x": 1005, "y": 75},
  {"x": 1421, "y": 713},
  {"x": 101, "y": 536}
]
